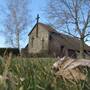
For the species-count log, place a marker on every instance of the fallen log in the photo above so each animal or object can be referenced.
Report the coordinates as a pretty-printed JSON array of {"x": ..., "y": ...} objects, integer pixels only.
[{"x": 71, "y": 68}]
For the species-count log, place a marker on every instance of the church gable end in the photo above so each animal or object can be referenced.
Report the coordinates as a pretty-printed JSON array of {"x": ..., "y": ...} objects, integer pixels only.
[{"x": 38, "y": 43}]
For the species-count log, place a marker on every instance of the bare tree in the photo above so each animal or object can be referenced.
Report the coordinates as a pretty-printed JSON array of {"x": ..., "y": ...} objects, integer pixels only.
[
  {"x": 17, "y": 21},
  {"x": 72, "y": 17}
]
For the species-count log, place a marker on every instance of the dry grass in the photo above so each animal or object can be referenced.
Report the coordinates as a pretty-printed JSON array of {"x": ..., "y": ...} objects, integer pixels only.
[{"x": 34, "y": 74}]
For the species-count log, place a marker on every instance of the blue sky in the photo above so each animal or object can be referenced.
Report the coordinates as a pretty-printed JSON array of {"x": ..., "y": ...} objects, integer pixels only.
[{"x": 37, "y": 7}]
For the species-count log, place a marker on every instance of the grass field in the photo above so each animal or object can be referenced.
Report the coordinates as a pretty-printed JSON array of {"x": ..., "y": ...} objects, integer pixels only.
[{"x": 34, "y": 74}]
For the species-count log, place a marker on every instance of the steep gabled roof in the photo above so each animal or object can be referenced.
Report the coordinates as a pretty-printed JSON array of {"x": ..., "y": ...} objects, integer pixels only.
[{"x": 48, "y": 28}]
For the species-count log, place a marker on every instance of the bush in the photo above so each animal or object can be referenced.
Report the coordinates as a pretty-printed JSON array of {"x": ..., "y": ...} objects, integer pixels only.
[{"x": 6, "y": 51}]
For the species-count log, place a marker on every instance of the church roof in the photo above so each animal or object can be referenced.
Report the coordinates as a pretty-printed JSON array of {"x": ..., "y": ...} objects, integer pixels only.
[{"x": 48, "y": 28}]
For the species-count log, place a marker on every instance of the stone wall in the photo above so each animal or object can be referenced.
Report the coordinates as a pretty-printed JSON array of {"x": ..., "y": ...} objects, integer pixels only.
[{"x": 40, "y": 43}]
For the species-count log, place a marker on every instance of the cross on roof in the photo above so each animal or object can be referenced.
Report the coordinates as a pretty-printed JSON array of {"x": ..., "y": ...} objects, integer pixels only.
[{"x": 37, "y": 18}]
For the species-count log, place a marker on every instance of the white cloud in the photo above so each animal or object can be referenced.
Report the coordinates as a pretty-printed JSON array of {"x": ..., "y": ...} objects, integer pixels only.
[{"x": 88, "y": 43}]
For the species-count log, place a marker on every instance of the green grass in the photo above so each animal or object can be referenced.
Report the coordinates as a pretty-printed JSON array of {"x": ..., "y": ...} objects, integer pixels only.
[{"x": 34, "y": 74}]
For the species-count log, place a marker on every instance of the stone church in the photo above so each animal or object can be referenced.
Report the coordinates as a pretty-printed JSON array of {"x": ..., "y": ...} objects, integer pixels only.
[{"x": 43, "y": 39}]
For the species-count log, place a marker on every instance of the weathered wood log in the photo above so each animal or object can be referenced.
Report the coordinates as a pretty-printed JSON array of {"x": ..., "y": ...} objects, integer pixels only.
[{"x": 70, "y": 68}]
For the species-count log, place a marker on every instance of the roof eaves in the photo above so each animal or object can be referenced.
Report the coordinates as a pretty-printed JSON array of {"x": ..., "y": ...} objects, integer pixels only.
[{"x": 32, "y": 29}]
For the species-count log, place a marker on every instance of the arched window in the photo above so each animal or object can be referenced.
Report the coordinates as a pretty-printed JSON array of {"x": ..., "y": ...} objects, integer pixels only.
[
  {"x": 43, "y": 43},
  {"x": 62, "y": 51},
  {"x": 62, "y": 47},
  {"x": 50, "y": 37},
  {"x": 32, "y": 41}
]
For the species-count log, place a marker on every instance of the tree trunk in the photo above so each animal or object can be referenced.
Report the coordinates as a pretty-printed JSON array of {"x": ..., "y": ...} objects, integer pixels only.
[
  {"x": 82, "y": 48},
  {"x": 18, "y": 40}
]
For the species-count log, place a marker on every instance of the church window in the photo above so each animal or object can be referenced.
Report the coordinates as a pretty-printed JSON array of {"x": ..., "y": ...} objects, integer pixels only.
[
  {"x": 32, "y": 41},
  {"x": 50, "y": 37},
  {"x": 43, "y": 43}
]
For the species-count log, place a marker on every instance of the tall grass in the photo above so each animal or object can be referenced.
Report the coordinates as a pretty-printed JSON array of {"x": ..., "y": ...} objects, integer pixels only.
[{"x": 34, "y": 74}]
